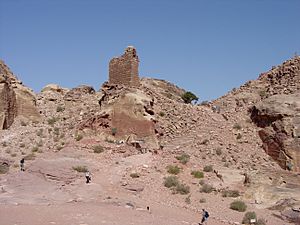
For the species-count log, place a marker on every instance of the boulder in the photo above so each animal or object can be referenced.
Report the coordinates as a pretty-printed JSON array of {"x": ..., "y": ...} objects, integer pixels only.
[{"x": 279, "y": 119}]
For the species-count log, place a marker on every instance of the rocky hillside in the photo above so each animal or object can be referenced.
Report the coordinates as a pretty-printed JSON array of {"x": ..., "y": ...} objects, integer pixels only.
[{"x": 132, "y": 137}]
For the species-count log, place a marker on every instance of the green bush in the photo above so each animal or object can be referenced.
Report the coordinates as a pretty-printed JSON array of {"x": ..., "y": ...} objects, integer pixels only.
[
  {"x": 182, "y": 189},
  {"x": 39, "y": 132},
  {"x": 206, "y": 188},
  {"x": 188, "y": 97},
  {"x": 98, "y": 149},
  {"x": 173, "y": 169},
  {"x": 197, "y": 174},
  {"x": 208, "y": 168},
  {"x": 4, "y": 168},
  {"x": 238, "y": 206},
  {"x": 231, "y": 193},
  {"x": 237, "y": 126},
  {"x": 219, "y": 151},
  {"x": 239, "y": 136},
  {"x": 171, "y": 181},
  {"x": 183, "y": 158},
  {"x": 60, "y": 108},
  {"x": 248, "y": 216},
  {"x": 113, "y": 131},
  {"x": 78, "y": 137},
  {"x": 52, "y": 121},
  {"x": 161, "y": 114},
  {"x": 34, "y": 149},
  {"x": 80, "y": 169}
]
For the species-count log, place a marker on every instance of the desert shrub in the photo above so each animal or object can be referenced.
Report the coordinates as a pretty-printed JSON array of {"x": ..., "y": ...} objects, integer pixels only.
[
  {"x": 182, "y": 189},
  {"x": 161, "y": 114},
  {"x": 62, "y": 135},
  {"x": 238, "y": 206},
  {"x": 173, "y": 169},
  {"x": 206, "y": 188},
  {"x": 13, "y": 154},
  {"x": 8, "y": 151},
  {"x": 4, "y": 144},
  {"x": 188, "y": 97},
  {"x": 4, "y": 168},
  {"x": 56, "y": 131},
  {"x": 248, "y": 216},
  {"x": 59, "y": 147},
  {"x": 113, "y": 131},
  {"x": 52, "y": 121},
  {"x": 78, "y": 137},
  {"x": 226, "y": 164},
  {"x": 60, "y": 108},
  {"x": 237, "y": 126},
  {"x": 208, "y": 168},
  {"x": 80, "y": 169},
  {"x": 98, "y": 149},
  {"x": 188, "y": 199},
  {"x": 40, "y": 143},
  {"x": 261, "y": 221},
  {"x": 34, "y": 149},
  {"x": 201, "y": 182},
  {"x": 231, "y": 193},
  {"x": 23, "y": 123},
  {"x": 219, "y": 151},
  {"x": 183, "y": 158},
  {"x": 39, "y": 132},
  {"x": 171, "y": 181},
  {"x": 134, "y": 175},
  {"x": 197, "y": 174},
  {"x": 30, "y": 156},
  {"x": 202, "y": 200},
  {"x": 239, "y": 136},
  {"x": 22, "y": 145},
  {"x": 262, "y": 93}
]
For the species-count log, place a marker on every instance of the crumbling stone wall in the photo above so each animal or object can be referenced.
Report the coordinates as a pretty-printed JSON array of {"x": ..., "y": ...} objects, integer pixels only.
[{"x": 125, "y": 69}]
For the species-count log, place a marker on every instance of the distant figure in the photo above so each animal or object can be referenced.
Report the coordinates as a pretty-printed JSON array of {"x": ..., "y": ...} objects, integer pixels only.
[
  {"x": 88, "y": 177},
  {"x": 205, "y": 216},
  {"x": 22, "y": 161},
  {"x": 219, "y": 175}
]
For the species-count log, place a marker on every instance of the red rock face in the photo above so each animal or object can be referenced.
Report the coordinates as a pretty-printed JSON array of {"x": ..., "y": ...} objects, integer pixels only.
[
  {"x": 124, "y": 70},
  {"x": 8, "y": 106},
  {"x": 279, "y": 119}
]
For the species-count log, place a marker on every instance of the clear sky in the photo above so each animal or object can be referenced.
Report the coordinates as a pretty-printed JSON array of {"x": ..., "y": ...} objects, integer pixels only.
[{"x": 207, "y": 47}]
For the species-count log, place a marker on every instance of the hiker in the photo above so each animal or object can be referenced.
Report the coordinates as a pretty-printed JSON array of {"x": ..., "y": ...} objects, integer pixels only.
[
  {"x": 22, "y": 161},
  {"x": 88, "y": 177},
  {"x": 205, "y": 216}
]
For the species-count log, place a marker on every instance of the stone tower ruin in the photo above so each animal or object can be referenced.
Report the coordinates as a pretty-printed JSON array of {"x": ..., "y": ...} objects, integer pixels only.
[{"x": 124, "y": 70}]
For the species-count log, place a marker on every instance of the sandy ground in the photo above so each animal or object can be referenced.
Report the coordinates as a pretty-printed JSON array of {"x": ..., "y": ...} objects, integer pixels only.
[{"x": 51, "y": 192}]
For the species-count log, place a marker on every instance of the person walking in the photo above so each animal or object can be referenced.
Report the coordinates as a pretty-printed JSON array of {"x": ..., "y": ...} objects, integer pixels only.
[
  {"x": 205, "y": 216},
  {"x": 22, "y": 161},
  {"x": 88, "y": 177}
]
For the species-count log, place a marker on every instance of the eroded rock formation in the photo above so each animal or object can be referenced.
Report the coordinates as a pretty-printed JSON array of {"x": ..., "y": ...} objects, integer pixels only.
[
  {"x": 279, "y": 119},
  {"x": 16, "y": 99},
  {"x": 125, "y": 69}
]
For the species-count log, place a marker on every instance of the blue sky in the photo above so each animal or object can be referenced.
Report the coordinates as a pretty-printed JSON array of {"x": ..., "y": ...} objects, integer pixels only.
[{"x": 207, "y": 47}]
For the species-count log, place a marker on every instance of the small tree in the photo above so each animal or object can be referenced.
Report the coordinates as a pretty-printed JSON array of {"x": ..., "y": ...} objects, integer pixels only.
[{"x": 188, "y": 97}]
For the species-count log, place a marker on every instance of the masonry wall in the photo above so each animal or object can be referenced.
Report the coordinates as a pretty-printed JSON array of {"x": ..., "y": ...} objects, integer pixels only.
[{"x": 124, "y": 69}]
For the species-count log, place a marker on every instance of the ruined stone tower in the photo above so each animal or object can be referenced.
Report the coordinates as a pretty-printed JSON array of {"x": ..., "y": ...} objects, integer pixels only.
[{"x": 125, "y": 69}]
